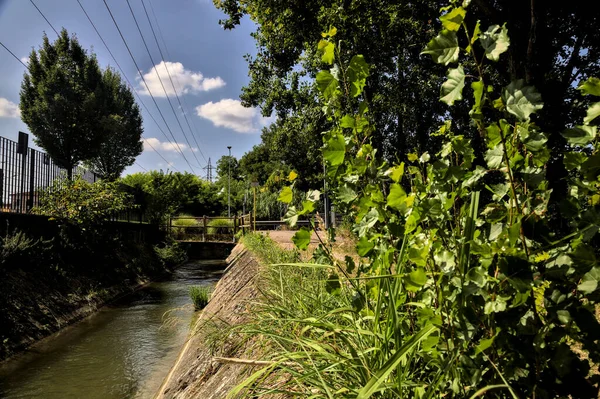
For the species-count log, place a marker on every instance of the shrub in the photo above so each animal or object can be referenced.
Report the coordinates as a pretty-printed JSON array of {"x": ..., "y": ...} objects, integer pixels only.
[
  {"x": 200, "y": 295},
  {"x": 171, "y": 254},
  {"x": 220, "y": 227},
  {"x": 17, "y": 250}
]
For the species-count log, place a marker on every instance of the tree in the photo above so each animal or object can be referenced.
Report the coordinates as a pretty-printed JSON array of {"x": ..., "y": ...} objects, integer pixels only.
[
  {"x": 59, "y": 101},
  {"x": 225, "y": 164},
  {"x": 121, "y": 126}
]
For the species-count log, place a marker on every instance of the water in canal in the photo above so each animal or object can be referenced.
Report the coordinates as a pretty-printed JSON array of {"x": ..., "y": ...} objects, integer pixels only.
[{"x": 123, "y": 351}]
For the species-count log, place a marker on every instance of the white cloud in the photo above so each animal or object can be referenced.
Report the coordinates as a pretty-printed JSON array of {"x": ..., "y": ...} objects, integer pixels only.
[
  {"x": 8, "y": 109},
  {"x": 232, "y": 114},
  {"x": 25, "y": 60},
  {"x": 154, "y": 144},
  {"x": 185, "y": 81}
]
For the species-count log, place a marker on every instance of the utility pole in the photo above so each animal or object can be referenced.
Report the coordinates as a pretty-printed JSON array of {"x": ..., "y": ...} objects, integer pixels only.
[
  {"x": 229, "y": 185},
  {"x": 208, "y": 169}
]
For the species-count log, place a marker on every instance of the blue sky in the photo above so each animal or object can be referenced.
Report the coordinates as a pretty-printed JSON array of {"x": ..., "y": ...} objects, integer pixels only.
[{"x": 205, "y": 61}]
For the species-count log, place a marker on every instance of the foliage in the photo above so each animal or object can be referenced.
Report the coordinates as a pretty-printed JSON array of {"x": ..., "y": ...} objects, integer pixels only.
[
  {"x": 82, "y": 203},
  {"x": 165, "y": 194},
  {"x": 446, "y": 301},
  {"x": 200, "y": 296},
  {"x": 59, "y": 100},
  {"x": 171, "y": 254},
  {"x": 267, "y": 250},
  {"x": 17, "y": 249},
  {"x": 121, "y": 126}
]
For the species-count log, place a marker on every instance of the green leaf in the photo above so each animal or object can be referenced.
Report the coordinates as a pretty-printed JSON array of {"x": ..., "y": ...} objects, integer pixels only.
[
  {"x": 396, "y": 172},
  {"x": 494, "y": 157},
  {"x": 591, "y": 87},
  {"x": 346, "y": 194},
  {"x": 486, "y": 343},
  {"x": 335, "y": 150},
  {"x": 477, "y": 96},
  {"x": 495, "y": 231},
  {"x": 286, "y": 195},
  {"x": 348, "y": 121},
  {"x": 291, "y": 216},
  {"x": 415, "y": 279},
  {"x": 292, "y": 176},
  {"x": 327, "y": 84},
  {"x": 591, "y": 167},
  {"x": 520, "y": 100},
  {"x": 412, "y": 157},
  {"x": 358, "y": 71},
  {"x": 563, "y": 316},
  {"x": 493, "y": 135},
  {"x": 443, "y": 48},
  {"x": 331, "y": 33},
  {"x": 495, "y": 41},
  {"x": 333, "y": 286},
  {"x": 364, "y": 246},
  {"x": 313, "y": 195},
  {"x": 592, "y": 113},
  {"x": 580, "y": 135},
  {"x": 307, "y": 207},
  {"x": 302, "y": 238},
  {"x": 452, "y": 88},
  {"x": 573, "y": 160},
  {"x": 328, "y": 49},
  {"x": 381, "y": 376},
  {"x": 453, "y": 19},
  {"x": 589, "y": 282},
  {"x": 396, "y": 198},
  {"x": 478, "y": 173}
]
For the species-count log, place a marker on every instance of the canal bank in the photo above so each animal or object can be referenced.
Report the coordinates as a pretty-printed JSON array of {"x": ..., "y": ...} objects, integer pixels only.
[
  {"x": 122, "y": 351},
  {"x": 196, "y": 373}
]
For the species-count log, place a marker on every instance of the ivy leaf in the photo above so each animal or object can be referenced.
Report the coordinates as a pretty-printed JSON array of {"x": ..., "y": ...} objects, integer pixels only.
[
  {"x": 335, "y": 150},
  {"x": 286, "y": 195},
  {"x": 452, "y": 88},
  {"x": 591, "y": 87},
  {"x": 520, "y": 100},
  {"x": 589, "y": 282},
  {"x": 494, "y": 157},
  {"x": 573, "y": 160},
  {"x": 346, "y": 194},
  {"x": 327, "y": 84},
  {"x": 443, "y": 48},
  {"x": 358, "y": 71},
  {"x": 396, "y": 198},
  {"x": 580, "y": 135},
  {"x": 592, "y": 113},
  {"x": 453, "y": 19},
  {"x": 495, "y": 43},
  {"x": 364, "y": 246},
  {"x": 302, "y": 238}
]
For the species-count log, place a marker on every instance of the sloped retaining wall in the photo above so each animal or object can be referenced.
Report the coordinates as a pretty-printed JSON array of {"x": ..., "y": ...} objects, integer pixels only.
[{"x": 196, "y": 374}]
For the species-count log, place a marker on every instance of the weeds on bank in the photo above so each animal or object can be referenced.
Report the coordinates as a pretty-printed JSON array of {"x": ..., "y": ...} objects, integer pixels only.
[{"x": 200, "y": 296}]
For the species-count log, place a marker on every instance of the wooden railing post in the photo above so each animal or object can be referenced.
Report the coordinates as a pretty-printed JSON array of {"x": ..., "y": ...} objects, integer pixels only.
[
  {"x": 234, "y": 227},
  {"x": 204, "y": 228}
]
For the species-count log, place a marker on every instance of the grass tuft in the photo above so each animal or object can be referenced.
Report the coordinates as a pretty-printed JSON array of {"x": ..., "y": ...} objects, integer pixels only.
[{"x": 200, "y": 296}]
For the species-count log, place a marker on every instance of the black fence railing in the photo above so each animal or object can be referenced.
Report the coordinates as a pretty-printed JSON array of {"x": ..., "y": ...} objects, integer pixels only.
[{"x": 25, "y": 172}]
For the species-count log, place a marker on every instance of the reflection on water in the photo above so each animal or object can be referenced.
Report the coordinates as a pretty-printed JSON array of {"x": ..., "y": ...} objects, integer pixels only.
[{"x": 123, "y": 351}]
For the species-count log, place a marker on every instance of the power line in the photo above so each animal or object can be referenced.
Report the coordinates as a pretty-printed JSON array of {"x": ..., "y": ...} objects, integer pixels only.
[
  {"x": 161, "y": 82},
  {"x": 128, "y": 82},
  {"x": 43, "y": 16},
  {"x": 176, "y": 79},
  {"x": 146, "y": 84},
  {"x": 13, "y": 54},
  {"x": 140, "y": 166},
  {"x": 171, "y": 80}
]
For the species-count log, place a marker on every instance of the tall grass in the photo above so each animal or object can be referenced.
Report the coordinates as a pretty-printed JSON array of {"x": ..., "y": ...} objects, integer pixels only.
[
  {"x": 180, "y": 227},
  {"x": 200, "y": 296}
]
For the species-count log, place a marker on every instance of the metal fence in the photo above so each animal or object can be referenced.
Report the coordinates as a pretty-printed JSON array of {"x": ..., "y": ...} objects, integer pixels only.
[{"x": 25, "y": 172}]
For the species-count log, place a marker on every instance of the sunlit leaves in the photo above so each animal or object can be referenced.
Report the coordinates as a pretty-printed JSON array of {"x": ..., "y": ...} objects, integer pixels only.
[
  {"x": 330, "y": 33},
  {"x": 477, "y": 96},
  {"x": 580, "y": 135},
  {"x": 494, "y": 157},
  {"x": 452, "y": 88},
  {"x": 590, "y": 87},
  {"x": 286, "y": 195},
  {"x": 327, "y": 48},
  {"x": 521, "y": 100},
  {"x": 364, "y": 246},
  {"x": 453, "y": 20},
  {"x": 313, "y": 195},
  {"x": 415, "y": 279},
  {"x": 358, "y": 71},
  {"x": 592, "y": 113},
  {"x": 327, "y": 84},
  {"x": 495, "y": 41},
  {"x": 292, "y": 176},
  {"x": 335, "y": 150},
  {"x": 443, "y": 48},
  {"x": 589, "y": 282},
  {"x": 346, "y": 194},
  {"x": 396, "y": 172},
  {"x": 396, "y": 198},
  {"x": 302, "y": 238},
  {"x": 573, "y": 160}
]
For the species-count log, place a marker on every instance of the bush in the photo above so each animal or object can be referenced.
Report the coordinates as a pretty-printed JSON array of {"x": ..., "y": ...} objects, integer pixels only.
[
  {"x": 171, "y": 254},
  {"x": 200, "y": 296},
  {"x": 17, "y": 250}
]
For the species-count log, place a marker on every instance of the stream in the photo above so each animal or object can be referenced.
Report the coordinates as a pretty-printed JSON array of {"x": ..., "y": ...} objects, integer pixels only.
[{"x": 124, "y": 350}]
